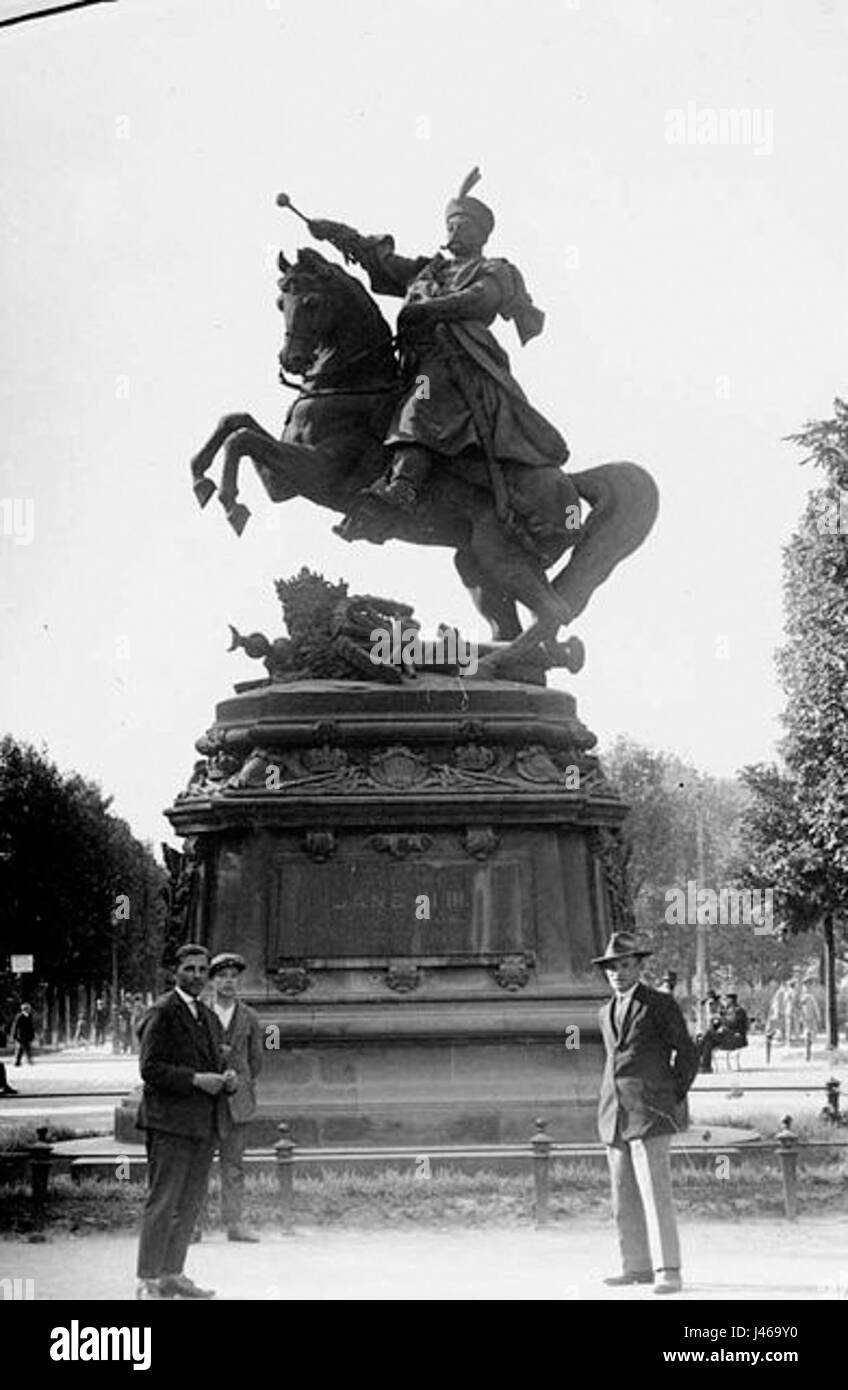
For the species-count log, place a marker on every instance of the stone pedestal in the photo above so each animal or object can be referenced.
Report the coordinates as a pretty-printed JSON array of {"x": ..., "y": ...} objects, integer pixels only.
[{"x": 418, "y": 876}]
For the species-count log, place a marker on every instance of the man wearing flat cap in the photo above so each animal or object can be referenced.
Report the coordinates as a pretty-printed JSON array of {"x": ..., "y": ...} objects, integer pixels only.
[
  {"x": 184, "y": 1076},
  {"x": 461, "y": 386},
  {"x": 241, "y": 1048},
  {"x": 650, "y": 1064}
]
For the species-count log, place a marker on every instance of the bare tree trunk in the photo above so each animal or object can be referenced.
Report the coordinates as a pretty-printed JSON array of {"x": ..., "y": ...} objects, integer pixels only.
[
  {"x": 831, "y": 1022},
  {"x": 54, "y": 1015}
]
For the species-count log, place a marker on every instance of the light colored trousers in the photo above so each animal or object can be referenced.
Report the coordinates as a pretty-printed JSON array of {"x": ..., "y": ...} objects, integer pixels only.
[{"x": 643, "y": 1206}]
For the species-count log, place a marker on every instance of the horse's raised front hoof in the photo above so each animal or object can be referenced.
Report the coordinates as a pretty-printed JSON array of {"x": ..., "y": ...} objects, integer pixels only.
[
  {"x": 204, "y": 490},
  {"x": 238, "y": 516}
]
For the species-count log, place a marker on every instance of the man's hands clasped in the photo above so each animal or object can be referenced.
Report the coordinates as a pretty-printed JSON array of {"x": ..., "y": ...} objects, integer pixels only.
[{"x": 213, "y": 1082}]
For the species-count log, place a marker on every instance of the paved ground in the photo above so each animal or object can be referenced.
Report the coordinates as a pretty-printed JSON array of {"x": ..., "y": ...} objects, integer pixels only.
[
  {"x": 77, "y": 1070},
  {"x": 723, "y": 1261},
  {"x": 716, "y": 1096}
]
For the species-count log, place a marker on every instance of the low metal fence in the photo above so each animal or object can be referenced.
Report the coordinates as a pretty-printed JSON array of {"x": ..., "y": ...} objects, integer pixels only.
[{"x": 540, "y": 1152}]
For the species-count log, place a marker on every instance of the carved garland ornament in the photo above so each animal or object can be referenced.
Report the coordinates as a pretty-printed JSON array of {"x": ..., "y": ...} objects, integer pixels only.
[{"x": 327, "y": 768}]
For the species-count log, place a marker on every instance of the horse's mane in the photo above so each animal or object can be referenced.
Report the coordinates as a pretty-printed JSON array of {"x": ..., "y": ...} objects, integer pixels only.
[{"x": 313, "y": 268}]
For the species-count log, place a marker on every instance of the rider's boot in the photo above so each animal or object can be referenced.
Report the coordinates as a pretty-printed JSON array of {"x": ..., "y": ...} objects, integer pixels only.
[{"x": 409, "y": 473}]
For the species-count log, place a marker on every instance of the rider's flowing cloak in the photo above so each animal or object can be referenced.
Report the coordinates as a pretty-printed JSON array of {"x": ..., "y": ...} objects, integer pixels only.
[{"x": 435, "y": 413}]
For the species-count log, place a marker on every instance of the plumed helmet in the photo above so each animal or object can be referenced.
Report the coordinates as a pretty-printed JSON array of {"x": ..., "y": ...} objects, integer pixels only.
[{"x": 482, "y": 216}]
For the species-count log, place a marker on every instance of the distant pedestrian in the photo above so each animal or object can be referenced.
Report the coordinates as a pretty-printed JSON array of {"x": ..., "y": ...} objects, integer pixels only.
[
  {"x": 810, "y": 1012},
  {"x": 708, "y": 1040},
  {"x": 125, "y": 1025},
  {"x": 23, "y": 1033},
  {"x": 776, "y": 1020},
  {"x": 101, "y": 1018},
  {"x": 734, "y": 1023}
]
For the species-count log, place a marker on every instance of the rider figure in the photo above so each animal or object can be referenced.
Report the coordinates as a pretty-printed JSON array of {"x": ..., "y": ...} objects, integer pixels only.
[{"x": 459, "y": 379}]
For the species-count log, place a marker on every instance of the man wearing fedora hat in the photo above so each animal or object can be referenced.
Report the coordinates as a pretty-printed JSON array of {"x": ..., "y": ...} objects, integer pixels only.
[
  {"x": 241, "y": 1049},
  {"x": 651, "y": 1063}
]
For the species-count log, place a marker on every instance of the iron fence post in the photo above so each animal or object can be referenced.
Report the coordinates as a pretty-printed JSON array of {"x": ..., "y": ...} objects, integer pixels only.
[
  {"x": 540, "y": 1146},
  {"x": 40, "y": 1159},
  {"x": 284, "y": 1154},
  {"x": 788, "y": 1153}
]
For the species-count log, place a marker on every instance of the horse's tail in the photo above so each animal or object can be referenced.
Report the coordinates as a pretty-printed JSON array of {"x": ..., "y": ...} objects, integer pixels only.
[{"x": 624, "y": 501}]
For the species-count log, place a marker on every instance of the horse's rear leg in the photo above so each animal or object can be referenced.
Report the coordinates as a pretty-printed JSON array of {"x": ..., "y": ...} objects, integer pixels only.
[
  {"x": 513, "y": 571},
  {"x": 497, "y": 608}
]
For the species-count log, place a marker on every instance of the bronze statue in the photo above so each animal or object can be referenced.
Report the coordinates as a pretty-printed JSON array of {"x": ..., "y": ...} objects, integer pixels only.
[
  {"x": 460, "y": 394},
  {"x": 435, "y": 443}
]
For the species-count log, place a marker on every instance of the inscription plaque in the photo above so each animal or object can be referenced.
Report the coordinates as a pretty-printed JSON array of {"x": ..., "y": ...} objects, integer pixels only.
[{"x": 362, "y": 908}]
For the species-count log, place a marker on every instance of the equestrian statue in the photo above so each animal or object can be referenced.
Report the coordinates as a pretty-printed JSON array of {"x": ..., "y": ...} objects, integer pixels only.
[{"x": 426, "y": 437}]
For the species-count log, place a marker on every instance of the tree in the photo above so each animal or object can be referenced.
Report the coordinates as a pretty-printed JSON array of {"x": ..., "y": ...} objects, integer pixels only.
[
  {"x": 682, "y": 827},
  {"x": 65, "y": 860},
  {"x": 798, "y": 824}
]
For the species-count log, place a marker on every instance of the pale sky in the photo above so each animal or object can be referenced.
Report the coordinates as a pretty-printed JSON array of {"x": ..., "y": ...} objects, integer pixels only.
[{"x": 695, "y": 301}]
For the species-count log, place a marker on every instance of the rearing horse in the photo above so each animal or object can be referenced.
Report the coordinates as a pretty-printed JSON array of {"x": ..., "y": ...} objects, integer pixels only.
[{"x": 331, "y": 450}]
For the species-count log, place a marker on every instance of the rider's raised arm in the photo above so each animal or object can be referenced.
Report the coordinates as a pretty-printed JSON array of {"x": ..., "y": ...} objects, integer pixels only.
[{"x": 388, "y": 272}]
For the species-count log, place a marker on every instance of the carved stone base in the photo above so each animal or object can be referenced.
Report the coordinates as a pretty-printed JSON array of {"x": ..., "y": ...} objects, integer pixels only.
[{"x": 418, "y": 876}]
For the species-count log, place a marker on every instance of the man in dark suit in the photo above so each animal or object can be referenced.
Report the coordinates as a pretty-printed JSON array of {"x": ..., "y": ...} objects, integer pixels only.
[
  {"x": 651, "y": 1063},
  {"x": 183, "y": 1074}
]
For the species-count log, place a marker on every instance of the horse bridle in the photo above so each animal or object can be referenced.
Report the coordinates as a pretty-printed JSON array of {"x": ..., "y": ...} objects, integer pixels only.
[{"x": 361, "y": 356}]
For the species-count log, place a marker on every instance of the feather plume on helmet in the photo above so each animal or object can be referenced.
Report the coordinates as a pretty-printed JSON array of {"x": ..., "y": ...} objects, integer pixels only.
[{"x": 480, "y": 214}]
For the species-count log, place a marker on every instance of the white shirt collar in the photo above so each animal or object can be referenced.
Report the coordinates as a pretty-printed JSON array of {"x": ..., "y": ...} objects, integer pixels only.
[
  {"x": 626, "y": 994},
  {"x": 225, "y": 1011},
  {"x": 188, "y": 1000}
]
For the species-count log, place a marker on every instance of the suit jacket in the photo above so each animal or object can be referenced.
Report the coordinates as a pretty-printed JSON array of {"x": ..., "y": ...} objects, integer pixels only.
[
  {"x": 650, "y": 1066},
  {"x": 23, "y": 1029},
  {"x": 241, "y": 1048},
  {"x": 173, "y": 1047}
]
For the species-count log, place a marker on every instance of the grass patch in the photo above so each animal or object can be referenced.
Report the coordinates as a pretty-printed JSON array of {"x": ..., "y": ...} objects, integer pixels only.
[
  {"x": 389, "y": 1199},
  {"x": 19, "y": 1137}
]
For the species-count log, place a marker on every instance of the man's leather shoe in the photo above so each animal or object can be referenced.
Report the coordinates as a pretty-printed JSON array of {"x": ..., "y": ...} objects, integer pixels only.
[
  {"x": 150, "y": 1289},
  {"x": 180, "y": 1286},
  {"x": 243, "y": 1234},
  {"x": 638, "y": 1276},
  {"x": 668, "y": 1281}
]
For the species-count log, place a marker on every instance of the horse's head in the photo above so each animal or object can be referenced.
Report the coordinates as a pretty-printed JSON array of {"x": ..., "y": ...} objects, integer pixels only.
[{"x": 324, "y": 309}]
